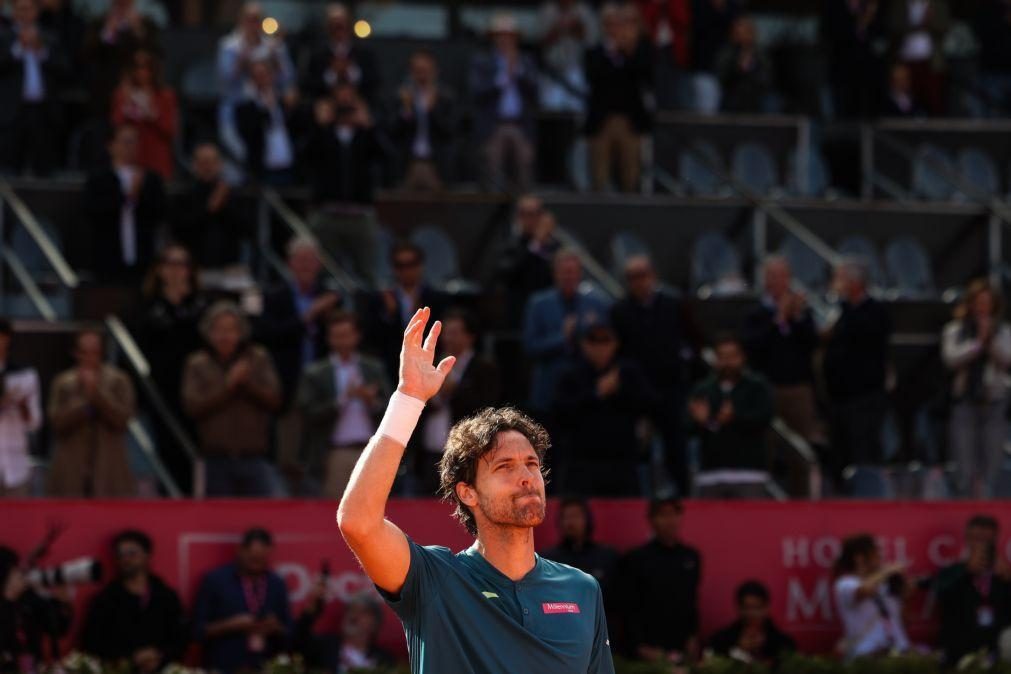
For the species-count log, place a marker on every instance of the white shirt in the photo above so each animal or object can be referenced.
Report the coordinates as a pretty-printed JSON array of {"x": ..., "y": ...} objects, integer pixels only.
[
  {"x": 127, "y": 220},
  {"x": 278, "y": 153},
  {"x": 869, "y": 625},
  {"x": 354, "y": 422},
  {"x": 33, "y": 88},
  {"x": 440, "y": 418},
  {"x": 918, "y": 45},
  {"x": 15, "y": 466}
]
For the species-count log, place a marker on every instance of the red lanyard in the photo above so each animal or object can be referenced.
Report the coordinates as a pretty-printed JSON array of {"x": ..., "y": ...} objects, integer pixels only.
[{"x": 255, "y": 591}]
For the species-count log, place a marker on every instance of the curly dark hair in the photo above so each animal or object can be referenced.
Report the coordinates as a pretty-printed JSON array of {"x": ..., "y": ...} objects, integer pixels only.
[{"x": 470, "y": 439}]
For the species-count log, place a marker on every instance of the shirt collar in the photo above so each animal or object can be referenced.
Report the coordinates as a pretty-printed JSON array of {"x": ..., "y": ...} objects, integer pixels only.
[{"x": 477, "y": 561}]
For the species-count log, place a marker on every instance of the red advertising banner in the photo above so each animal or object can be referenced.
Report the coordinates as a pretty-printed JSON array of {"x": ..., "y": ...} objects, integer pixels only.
[{"x": 789, "y": 546}]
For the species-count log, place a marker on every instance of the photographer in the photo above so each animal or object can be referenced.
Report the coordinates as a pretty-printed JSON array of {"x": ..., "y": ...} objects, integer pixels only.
[
  {"x": 869, "y": 597},
  {"x": 27, "y": 618}
]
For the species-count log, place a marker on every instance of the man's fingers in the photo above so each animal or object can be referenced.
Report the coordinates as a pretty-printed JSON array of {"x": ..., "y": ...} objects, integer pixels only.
[
  {"x": 446, "y": 365},
  {"x": 433, "y": 337}
]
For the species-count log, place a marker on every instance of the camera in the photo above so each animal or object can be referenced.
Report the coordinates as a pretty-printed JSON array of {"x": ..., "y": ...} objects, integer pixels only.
[
  {"x": 73, "y": 572},
  {"x": 896, "y": 584}
]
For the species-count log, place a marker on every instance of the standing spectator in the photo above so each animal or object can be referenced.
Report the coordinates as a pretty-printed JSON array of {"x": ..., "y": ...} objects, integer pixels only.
[
  {"x": 992, "y": 24},
  {"x": 231, "y": 390},
  {"x": 33, "y": 67},
  {"x": 143, "y": 101},
  {"x": 577, "y": 548},
  {"x": 341, "y": 59},
  {"x": 654, "y": 331},
  {"x": 659, "y": 589},
  {"x": 976, "y": 347},
  {"x": 753, "y": 637},
  {"x": 90, "y": 406},
  {"x": 61, "y": 20},
  {"x": 137, "y": 617},
  {"x": 20, "y": 415},
  {"x": 917, "y": 29},
  {"x": 124, "y": 204},
  {"x": 780, "y": 339},
  {"x": 167, "y": 334},
  {"x": 341, "y": 399},
  {"x": 899, "y": 101},
  {"x": 711, "y": 23},
  {"x": 425, "y": 124},
  {"x": 600, "y": 400},
  {"x": 869, "y": 597},
  {"x": 568, "y": 29},
  {"x": 209, "y": 221},
  {"x": 109, "y": 47},
  {"x": 265, "y": 122},
  {"x": 503, "y": 84},
  {"x": 354, "y": 648},
  {"x": 27, "y": 620},
  {"x": 668, "y": 24},
  {"x": 730, "y": 411},
  {"x": 849, "y": 28},
  {"x": 854, "y": 367},
  {"x": 619, "y": 72},
  {"x": 744, "y": 70},
  {"x": 549, "y": 327},
  {"x": 525, "y": 265},
  {"x": 241, "y": 615}
]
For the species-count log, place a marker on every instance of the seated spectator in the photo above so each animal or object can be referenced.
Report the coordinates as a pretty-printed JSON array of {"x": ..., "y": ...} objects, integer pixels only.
[
  {"x": 342, "y": 150},
  {"x": 753, "y": 637},
  {"x": 850, "y": 29},
  {"x": 425, "y": 125},
  {"x": 90, "y": 406},
  {"x": 974, "y": 595},
  {"x": 668, "y": 26},
  {"x": 577, "y": 548},
  {"x": 744, "y": 70},
  {"x": 33, "y": 67},
  {"x": 601, "y": 398},
  {"x": 976, "y": 348},
  {"x": 869, "y": 597},
  {"x": 143, "y": 101},
  {"x": 899, "y": 101},
  {"x": 525, "y": 265},
  {"x": 241, "y": 615},
  {"x": 568, "y": 28},
  {"x": 659, "y": 590},
  {"x": 354, "y": 648},
  {"x": 167, "y": 334},
  {"x": 209, "y": 221},
  {"x": 917, "y": 29},
  {"x": 20, "y": 415},
  {"x": 620, "y": 75},
  {"x": 992, "y": 25},
  {"x": 124, "y": 205},
  {"x": 136, "y": 618},
  {"x": 27, "y": 619},
  {"x": 341, "y": 399},
  {"x": 109, "y": 46},
  {"x": 780, "y": 339},
  {"x": 730, "y": 411},
  {"x": 265, "y": 123},
  {"x": 550, "y": 324},
  {"x": 341, "y": 59},
  {"x": 231, "y": 391},
  {"x": 503, "y": 84}
]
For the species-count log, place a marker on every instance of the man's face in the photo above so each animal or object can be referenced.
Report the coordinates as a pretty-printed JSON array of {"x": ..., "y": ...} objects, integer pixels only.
[
  {"x": 25, "y": 11},
  {"x": 131, "y": 559},
  {"x": 528, "y": 214},
  {"x": 225, "y": 335},
  {"x": 612, "y": 25},
  {"x": 980, "y": 537},
  {"x": 729, "y": 360},
  {"x": 252, "y": 21},
  {"x": 568, "y": 275},
  {"x": 508, "y": 488},
  {"x": 262, "y": 75},
  {"x": 255, "y": 558},
  {"x": 753, "y": 610},
  {"x": 666, "y": 523},
  {"x": 305, "y": 266},
  {"x": 573, "y": 523},
  {"x": 123, "y": 148},
  {"x": 343, "y": 337},
  {"x": 207, "y": 163},
  {"x": 455, "y": 337},
  {"x": 16, "y": 584},
  {"x": 422, "y": 70},
  {"x": 88, "y": 351},
  {"x": 359, "y": 621},
  {"x": 506, "y": 42},
  {"x": 5, "y": 345},
  {"x": 641, "y": 279},
  {"x": 599, "y": 348},
  {"x": 407, "y": 268},
  {"x": 777, "y": 278},
  {"x": 338, "y": 25}
]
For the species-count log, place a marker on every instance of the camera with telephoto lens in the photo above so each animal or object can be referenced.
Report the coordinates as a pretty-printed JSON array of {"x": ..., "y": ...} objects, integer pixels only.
[
  {"x": 73, "y": 572},
  {"x": 896, "y": 584}
]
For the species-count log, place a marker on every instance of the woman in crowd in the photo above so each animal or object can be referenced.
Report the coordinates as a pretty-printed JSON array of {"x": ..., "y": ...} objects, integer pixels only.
[{"x": 143, "y": 101}]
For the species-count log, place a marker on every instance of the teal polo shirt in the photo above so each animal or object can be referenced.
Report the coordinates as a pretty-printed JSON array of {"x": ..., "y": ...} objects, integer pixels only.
[{"x": 461, "y": 615}]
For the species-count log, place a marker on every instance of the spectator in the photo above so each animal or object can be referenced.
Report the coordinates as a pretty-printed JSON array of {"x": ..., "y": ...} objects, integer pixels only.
[
  {"x": 109, "y": 47},
  {"x": 917, "y": 29},
  {"x": 568, "y": 29},
  {"x": 976, "y": 347},
  {"x": 143, "y": 101},
  {"x": 549, "y": 327},
  {"x": 265, "y": 123},
  {"x": 125, "y": 205},
  {"x": 167, "y": 334},
  {"x": 576, "y": 546},
  {"x": 600, "y": 400},
  {"x": 503, "y": 83},
  {"x": 28, "y": 620},
  {"x": 33, "y": 66},
  {"x": 655, "y": 332},
  {"x": 711, "y": 23},
  {"x": 341, "y": 399},
  {"x": 899, "y": 100},
  {"x": 354, "y": 649},
  {"x": 753, "y": 637},
  {"x": 210, "y": 221},
  {"x": 780, "y": 339},
  {"x": 241, "y": 615},
  {"x": 849, "y": 28},
  {"x": 20, "y": 415},
  {"x": 237, "y": 52},
  {"x": 992, "y": 24},
  {"x": 341, "y": 59},
  {"x": 730, "y": 411},
  {"x": 525, "y": 265},
  {"x": 974, "y": 595},
  {"x": 744, "y": 70},
  {"x": 231, "y": 390},
  {"x": 619, "y": 72},
  {"x": 668, "y": 24},
  {"x": 136, "y": 618},
  {"x": 62, "y": 21},
  {"x": 90, "y": 406},
  {"x": 659, "y": 591},
  {"x": 869, "y": 597},
  {"x": 425, "y": 124},
  {"x": 854, "y": 366}
]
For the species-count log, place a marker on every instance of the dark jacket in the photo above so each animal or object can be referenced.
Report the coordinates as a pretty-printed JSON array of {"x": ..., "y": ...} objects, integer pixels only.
[
  {"x": 961, "y": 603},
  {"x": 384, "y": 332},
  {"x": 441, "y": 131},
  {"x": 26, "y": 624},
  {"x": 775, "y": 646},
  {"x": 856, "y": 355},
  {"x": 487, "y": 91},
  {"x": 213, "y": 238},
  {"x": 525, "y": 272},
  {"x": 744, "y": 89},
  {"x": 119, "y": 623},
  {"x": 783, "y": 354},
  {"x": 618, "y": 86},
  {"x": 317, "y": 83},
  {"x": 341, "y": 172},
  {"x": 739, "y": 444},
  {"x": 993, "y": 29},
  {"x": 54, "y": 67},
  {"x": 656, "y": 336},
  {"x": 710, "y": 30},
  {"x": 478, "y": 388},
  {"x": 168, "y": 334},
  {"x": 322, "y": 651},
  {"x": 253, "y": 120},
  {"x": 600, "y": 561}
]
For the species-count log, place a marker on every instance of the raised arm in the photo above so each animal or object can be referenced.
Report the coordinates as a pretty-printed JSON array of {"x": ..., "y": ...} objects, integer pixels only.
[{"x": 380, "y": 546}]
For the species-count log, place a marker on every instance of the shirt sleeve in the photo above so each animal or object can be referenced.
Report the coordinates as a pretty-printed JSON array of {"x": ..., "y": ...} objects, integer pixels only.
[
  {"x": 600, "y": 658},
  {"x": 418, "y": 583},
  {"x": 846, "y": 591}
]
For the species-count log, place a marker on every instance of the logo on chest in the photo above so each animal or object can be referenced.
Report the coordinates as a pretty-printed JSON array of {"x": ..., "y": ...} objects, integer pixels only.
[{"x": 555, "y": 607}]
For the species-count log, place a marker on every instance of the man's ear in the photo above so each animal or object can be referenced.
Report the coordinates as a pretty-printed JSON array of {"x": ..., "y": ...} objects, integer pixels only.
[{"x": 466, "y": 493}]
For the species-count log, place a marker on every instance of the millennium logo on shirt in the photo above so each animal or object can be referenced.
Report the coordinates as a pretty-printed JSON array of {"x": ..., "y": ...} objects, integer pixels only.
[{"x": 553, "y": 607}]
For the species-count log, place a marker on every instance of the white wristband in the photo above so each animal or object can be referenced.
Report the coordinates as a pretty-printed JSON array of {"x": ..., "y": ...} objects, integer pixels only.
[{"x": 401, "y": 417}]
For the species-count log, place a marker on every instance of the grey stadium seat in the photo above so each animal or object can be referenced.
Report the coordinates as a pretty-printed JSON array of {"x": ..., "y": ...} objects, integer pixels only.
[
  {"x": 909, "y": 268},
  {"x": 753, "y": 165}
]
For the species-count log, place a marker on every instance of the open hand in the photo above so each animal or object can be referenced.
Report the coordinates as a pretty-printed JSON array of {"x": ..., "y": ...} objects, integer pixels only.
[{"x": 419, "y": 378}]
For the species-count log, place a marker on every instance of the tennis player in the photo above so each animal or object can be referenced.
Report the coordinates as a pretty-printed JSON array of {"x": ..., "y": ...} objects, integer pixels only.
[{"x": 496, "y": 607}]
